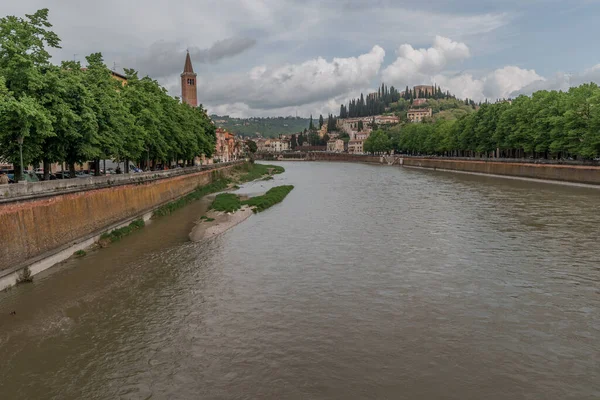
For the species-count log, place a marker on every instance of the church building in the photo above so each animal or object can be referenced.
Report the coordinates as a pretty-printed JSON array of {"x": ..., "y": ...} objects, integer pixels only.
[{"x": 189, "y": 93}]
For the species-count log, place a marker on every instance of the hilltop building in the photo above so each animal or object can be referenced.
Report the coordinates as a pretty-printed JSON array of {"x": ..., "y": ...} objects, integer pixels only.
[
  {"x": 189, "y": 92},
  {"x": 421, "y": 91},
  {"x": 424, "y": 90},
  {"x": 418, "y": 114}
]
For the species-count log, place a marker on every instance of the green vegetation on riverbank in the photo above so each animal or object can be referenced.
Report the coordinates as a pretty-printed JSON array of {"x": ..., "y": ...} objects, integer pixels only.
[
  {"x": 229, "y": 202},
  {"x": 258, "y": 171},
  {"x": 247, "y": 172},
  {"x": 117, "y": 234},
  {"x": 269, "y": 199},
  {"x": 226, "y": 202},
  {"x": 201, "y": 191}
]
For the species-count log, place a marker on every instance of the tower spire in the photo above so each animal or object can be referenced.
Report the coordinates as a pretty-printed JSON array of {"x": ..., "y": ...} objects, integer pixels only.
[{"x": 188, "y": 64}]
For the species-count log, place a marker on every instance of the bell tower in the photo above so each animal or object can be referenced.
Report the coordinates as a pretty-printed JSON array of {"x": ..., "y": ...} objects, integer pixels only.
[{"x": 189, "y": 93}]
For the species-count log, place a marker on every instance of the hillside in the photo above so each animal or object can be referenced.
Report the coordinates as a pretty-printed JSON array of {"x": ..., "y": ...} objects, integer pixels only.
[{"x": 267, "y": 127}]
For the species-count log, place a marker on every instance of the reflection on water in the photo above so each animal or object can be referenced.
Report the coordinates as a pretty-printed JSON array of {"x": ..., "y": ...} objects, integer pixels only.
[{"x": 366, "y": 282}]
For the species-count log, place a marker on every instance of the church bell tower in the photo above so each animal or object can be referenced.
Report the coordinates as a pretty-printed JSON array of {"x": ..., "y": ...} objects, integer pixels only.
[{"x": 189, "y": 93}]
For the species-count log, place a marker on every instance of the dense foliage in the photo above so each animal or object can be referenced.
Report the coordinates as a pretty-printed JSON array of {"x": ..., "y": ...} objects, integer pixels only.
[
  {"x": 548, "y": 124},
  {"x": 269, "y": 199},
  {"x": 226, "y": 202},
  {"x": 72, "y": 114},
  {"x": 377, "y": 142}
]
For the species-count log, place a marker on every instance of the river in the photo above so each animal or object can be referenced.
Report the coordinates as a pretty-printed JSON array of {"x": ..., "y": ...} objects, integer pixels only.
[{"x": 367, "y": 282}]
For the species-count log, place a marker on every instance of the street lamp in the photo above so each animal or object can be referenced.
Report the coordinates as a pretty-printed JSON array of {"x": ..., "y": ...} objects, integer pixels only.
[{"x": 20, "y": 141}]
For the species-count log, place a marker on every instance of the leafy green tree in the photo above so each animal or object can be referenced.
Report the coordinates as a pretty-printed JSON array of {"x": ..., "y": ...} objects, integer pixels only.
[
  {"x": 321, "y": 121},
  {"x": 378, "y": 142},
  {"x": 23, "y": 60},
  {"x": 252, "y": 147}
]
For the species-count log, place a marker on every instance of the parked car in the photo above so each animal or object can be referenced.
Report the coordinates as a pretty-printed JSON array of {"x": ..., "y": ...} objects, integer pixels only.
[
  {"x": 82, "y": 174},
  {"x": 30, "y": 176},
  {"x": 63, "y": 175},
  {"x": 40, "y": 176}
]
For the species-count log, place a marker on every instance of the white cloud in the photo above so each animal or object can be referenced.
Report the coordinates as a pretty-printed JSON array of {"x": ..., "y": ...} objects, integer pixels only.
[
  {"x": 415, "y": 65},
  {"x": 562, "y": 81},
  {"x": 498, "y": 84},
  {"x": 430, "y": 65},
  {"x": 294, "y": 85},
  {"x": 504, "y": 81}
]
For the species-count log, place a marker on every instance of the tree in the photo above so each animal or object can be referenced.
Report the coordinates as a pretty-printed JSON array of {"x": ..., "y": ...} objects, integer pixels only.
[
  {"x": 360, "y": 126},
  {"x": 321, "y": 121},
  {"x": 251, "y": 145},
  {"x": 377, "y": 142},
  {"x": 63, "y": 113},
  {"x": 23, "y": 60},
  {"x": 311, "y": 126},
  {"x": 293, "y": 142}
]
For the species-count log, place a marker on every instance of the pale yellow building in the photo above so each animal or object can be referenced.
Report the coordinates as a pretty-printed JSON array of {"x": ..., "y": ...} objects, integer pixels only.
[
  {"x": 356, "y": 146},
  {"x": 418, "y": 114},
  {"x": 335, "y": 146}
]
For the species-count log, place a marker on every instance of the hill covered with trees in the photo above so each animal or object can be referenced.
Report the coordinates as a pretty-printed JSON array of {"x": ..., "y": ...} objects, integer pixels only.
[
  {"x": 266, "y": 127},
  {"x": 388, "y": 99}
]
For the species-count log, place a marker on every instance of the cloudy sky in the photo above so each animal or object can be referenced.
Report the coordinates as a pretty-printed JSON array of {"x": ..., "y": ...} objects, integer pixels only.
[{"x": 282, "y": 57}]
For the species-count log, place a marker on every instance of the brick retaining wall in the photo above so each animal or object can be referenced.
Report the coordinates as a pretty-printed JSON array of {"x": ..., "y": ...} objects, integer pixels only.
[{"x": 33, "y": 227}]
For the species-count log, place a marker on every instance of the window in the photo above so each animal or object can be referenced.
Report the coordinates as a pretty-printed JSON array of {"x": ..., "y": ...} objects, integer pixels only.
[{"x": 190, "y": 81}]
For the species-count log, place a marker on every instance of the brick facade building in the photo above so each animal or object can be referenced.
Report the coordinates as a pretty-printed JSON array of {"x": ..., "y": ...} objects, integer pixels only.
[{"x": 189, "y": 93}]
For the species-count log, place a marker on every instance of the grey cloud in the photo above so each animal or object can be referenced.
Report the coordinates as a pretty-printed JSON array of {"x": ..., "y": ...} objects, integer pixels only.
[
  {"x": 222, "y": 49},
  {"x": 163, "y": 58}
]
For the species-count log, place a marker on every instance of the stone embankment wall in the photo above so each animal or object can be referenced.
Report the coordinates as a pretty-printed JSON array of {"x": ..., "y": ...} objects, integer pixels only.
[
  {"x": 344, "y": 157},
  {"x": 587, "y": 174},
  {"x": 555, "y": 172},
  {"x": 37, "y": 219}
]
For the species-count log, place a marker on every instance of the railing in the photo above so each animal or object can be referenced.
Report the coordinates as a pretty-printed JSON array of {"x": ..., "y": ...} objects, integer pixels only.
[{"x": 24, "y": 190}]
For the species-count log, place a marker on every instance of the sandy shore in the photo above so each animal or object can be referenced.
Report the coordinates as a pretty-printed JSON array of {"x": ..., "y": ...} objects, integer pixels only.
[{"x": 222, "y": 222}]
